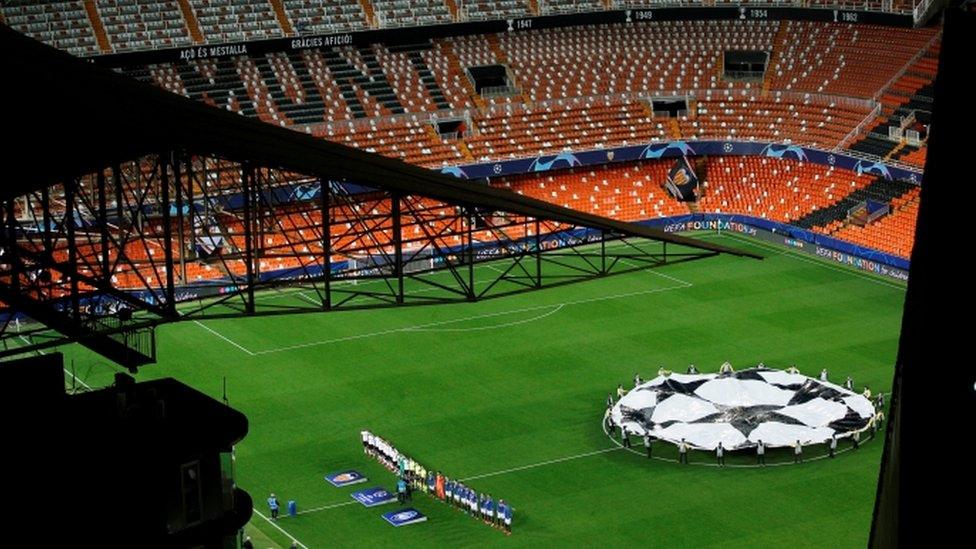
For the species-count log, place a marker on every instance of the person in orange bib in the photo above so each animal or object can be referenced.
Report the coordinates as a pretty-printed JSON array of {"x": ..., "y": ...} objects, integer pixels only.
[{"x": 440, "y": 485}]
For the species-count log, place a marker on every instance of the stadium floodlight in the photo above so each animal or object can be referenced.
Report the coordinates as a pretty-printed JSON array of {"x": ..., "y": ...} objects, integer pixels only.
[{"x": 738, "y": 409}]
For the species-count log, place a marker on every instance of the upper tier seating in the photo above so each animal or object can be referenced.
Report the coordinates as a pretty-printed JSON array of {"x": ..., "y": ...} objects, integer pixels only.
[
  {"x": 408, "y": 13},
  {"x": 552, "y": 7},
  {"x": 236, "y": 20},
  {"x": 495, "y": 9},
  {"x": 314, "y": 17},
  {"x": 64, "y": 25},
  {"x": 142, "y": 24}
]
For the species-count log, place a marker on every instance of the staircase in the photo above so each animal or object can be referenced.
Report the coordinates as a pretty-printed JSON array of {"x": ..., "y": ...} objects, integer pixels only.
[
  {"x": 96, "y": 23},
  {"x": 192, "y": 24},
  {"x": 455, "y": 68},
  {"x": 453, "y": 8},
  {"x": 416, "y": 58},
  {"x": 374, "y": 81},
  {"x": 780, "y": 43},
  {"x": 674, "y": 128},
  {"x": 370, "y": 13},
  {"x": 226, "y": 80},
  {"x": 465, "y": 151},
  {"x": 895, "y": 151},
  {"x": 283, "y": 21},
  {"x": 496, "y": 47},
  {"x": 310, "y": 109}
]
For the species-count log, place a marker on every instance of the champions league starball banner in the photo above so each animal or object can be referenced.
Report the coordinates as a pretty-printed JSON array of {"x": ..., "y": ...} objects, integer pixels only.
[{"x": 741, "y": 409}]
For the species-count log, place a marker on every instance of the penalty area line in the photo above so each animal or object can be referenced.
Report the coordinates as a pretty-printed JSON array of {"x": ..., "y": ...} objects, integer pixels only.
[
  {"x": 325, "y": 507},
  {"x": 280, "y": 529},
  {"x": 222, "y": 336}
]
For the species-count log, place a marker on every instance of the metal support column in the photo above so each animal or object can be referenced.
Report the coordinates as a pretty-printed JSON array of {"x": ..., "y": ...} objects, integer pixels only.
[
  {"x": 247, "y": 176},
  {"x": 167, "y": 234},
  {"x": 325, "y": 202},
  {"x": 70, "y": 185},
  {"x": 103, "y": 222},
  {"x": 603, "y": 252},
  {"x": 10, "y": 247},
  {"x": 181, "y": 231},
  {"x": 397, "y": 245},
  {"x": 117, "y": 187},
  {"x": 538, "y": 255},
  {"x": 470, "y": 252},
  {"x": 48, "y": 224}
]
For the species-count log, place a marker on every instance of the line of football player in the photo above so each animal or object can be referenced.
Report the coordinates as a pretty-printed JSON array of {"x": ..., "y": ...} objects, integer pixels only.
[{"x": 414, "y": 477}]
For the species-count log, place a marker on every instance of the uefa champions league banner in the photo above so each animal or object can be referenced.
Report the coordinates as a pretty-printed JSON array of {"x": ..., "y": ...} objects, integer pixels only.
[
  {"x": 654, "y": 151},
  {"x": 809, "y": 242}
]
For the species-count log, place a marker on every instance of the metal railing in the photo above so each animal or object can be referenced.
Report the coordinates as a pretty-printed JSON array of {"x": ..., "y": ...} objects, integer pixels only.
[
  {"x": 498, "y": 91},
  {"x": 875, "y": 112}
]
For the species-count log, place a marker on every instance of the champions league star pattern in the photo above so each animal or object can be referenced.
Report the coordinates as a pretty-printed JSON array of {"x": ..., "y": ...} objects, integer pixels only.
[{"x": 740, "y": 408}]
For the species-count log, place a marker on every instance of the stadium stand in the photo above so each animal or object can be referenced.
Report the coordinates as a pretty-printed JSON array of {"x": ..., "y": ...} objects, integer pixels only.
[
  {"x": 309, "y": 17},
  {"x": 133, "y": 25},
  {"x": 828, "y": 219},
  {"x": 64, "y": 25},
  {"x": 893, "y": 233},
  {"x": 236, "y": 20},
  {"x": 906, "y": 102},
  {"x": 376, "y": 81},
  {"x": 474, "y": 10},
  {"x": 784, "y": 118},
  {"x": 666, "y": 58},
  {"x": 780, "y": 190},
  {"x": 828, "y": 85},
  {"x": 851, "y": 60},
  {"x": 411, "y": 13},
  {"x": 627, "y": 192},
  {"x": 552, "y": 7}
]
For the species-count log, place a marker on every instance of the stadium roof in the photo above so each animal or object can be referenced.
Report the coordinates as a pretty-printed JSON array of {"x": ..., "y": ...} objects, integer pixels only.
[{"x": 69, "y": 117}]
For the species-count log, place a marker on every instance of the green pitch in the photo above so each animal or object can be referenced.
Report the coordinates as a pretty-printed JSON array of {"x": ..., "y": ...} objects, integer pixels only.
[{"x": 511, "y": 391}]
